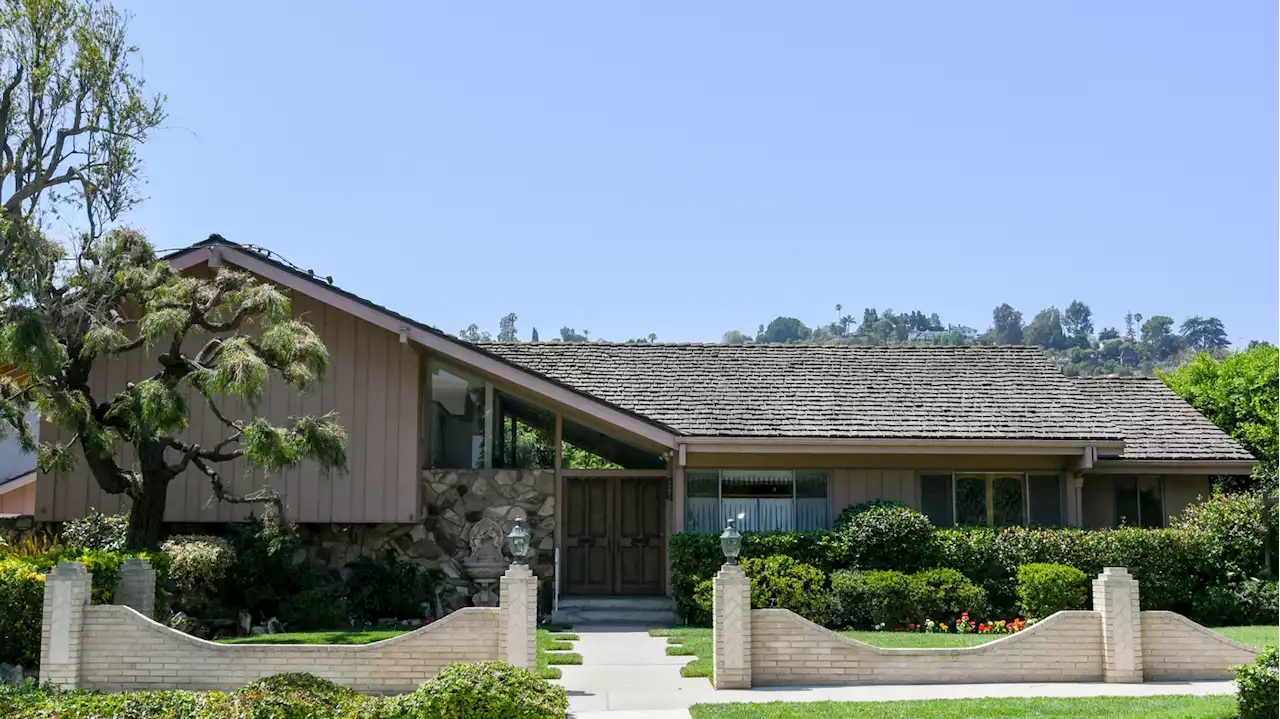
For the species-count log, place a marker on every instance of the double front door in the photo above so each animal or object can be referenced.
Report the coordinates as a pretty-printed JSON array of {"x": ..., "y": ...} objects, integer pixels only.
[{"x": 615, "y": 535}]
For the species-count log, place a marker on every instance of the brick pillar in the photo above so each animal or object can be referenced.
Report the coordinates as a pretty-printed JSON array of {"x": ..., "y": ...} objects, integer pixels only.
[
  {"x": 136, "y": 586},
  {"x": 66, "y": 594},
  {"x": 731, "y": 619},
  {"x": 1115, "y": 597},
  {"x": 518, "y": 609}
]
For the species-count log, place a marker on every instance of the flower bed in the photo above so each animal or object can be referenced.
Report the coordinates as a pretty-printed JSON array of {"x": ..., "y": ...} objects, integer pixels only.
[{"x": 964, "y": 625}]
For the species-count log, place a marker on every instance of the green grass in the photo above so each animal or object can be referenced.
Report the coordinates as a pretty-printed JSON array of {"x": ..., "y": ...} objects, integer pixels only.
[
  {"x": 697, "y": 641},
  {"x": 551, "y": 652},
  {"x": 565, "y": 637},
  {"x": 1156, "y": 707},
  {"x": 332, "y": 636}
]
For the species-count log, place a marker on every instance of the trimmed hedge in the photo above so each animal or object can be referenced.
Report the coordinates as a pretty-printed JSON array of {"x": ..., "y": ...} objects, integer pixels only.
[
  {"x": 1176, "y": 567},
  {"x": 1258, "y": 687},
  {"x": 889, "y": 598},
  {"x": 1044, "y": 589},
  {"x": 778, "y": 582},
  {"x": 486, "y": 690}
]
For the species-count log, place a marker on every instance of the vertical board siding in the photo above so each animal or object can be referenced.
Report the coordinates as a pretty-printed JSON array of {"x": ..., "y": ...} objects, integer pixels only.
[{"x": 373, "y": 385}]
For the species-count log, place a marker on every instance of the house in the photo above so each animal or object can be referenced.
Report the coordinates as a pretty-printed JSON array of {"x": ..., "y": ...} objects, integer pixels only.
[
  {"x": 445, "y": 434},
  {"x": 17, "y": 467}
]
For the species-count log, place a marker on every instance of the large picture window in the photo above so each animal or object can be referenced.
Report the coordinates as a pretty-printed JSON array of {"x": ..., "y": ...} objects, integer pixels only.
[
  {"x": 991, "y": 499},
  {"x": 766, "y": 500},
  {"x": 457, "y": 416},
  {"x": 1139, "y": 501}
]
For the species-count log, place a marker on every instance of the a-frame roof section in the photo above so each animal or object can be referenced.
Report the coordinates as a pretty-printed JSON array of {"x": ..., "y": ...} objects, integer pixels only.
[{"x": 217, "y": 249}]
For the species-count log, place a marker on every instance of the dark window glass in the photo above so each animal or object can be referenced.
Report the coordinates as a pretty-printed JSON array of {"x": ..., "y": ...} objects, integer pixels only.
[
  {"x": 935, "y": 499},
  {"x": 1127, "y": 501},
  {"x": 1006, "y": 501},
  {"x": 1046, "y": 498},
  {"x": 812, "y": 509},
  {"x": 1150, "y": 502},
  {"x": 971, "y": 500}
]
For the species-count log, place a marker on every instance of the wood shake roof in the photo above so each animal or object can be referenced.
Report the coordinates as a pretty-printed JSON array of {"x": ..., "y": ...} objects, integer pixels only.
[
  {"x": 1158, "y": 424},
  {"x": 838, "y": 391}
]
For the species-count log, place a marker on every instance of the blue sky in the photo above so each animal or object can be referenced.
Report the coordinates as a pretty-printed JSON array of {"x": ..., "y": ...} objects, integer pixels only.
[{"x": 688, "y": 168}]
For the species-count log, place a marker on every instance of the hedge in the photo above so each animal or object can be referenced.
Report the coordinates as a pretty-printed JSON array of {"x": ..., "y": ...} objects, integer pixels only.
[
  {"x": 1258, "y": 687},
  {"x": 486, "y": 690},
  {"x": 22, "y": 593},
  {"x": 1217, "y": 545}
]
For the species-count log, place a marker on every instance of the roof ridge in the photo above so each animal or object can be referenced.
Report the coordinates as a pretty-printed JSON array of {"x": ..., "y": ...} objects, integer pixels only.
[{"x": 762, "y": 345}]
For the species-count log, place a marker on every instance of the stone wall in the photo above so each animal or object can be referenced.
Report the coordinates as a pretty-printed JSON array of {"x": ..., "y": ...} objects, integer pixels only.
[
  {"x": 114, "y": 648},
  {"x": 787, "y": 649},
  {"x": 1175, "y": 648}
]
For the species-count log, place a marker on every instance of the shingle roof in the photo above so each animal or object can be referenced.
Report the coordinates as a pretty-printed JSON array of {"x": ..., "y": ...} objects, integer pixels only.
[
  {"x": 1157, "y": 423},
  {"x": 828, "y": 390}
]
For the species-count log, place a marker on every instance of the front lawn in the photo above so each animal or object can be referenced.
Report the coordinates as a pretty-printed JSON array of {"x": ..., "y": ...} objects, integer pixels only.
[
  {"x": 1157, "y": 707},
  {"x": 697, "y": 641},
  {"x": 550, "y": 646}
]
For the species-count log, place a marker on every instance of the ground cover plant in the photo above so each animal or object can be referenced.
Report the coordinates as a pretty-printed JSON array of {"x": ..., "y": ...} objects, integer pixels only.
[{"x": 1156, "y": 707}]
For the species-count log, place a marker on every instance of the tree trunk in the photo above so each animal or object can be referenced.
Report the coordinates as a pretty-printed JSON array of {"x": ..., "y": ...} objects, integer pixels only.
[{"x": 146, "y": 517}]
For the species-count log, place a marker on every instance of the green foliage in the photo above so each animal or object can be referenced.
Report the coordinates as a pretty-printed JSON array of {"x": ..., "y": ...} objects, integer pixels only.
[
  {"x": 1258, "y": 687},
  {"x": 1248, "y": 601},
  {"x": 96, "y": 530},
  {"x": 784, "y": 329},
  {"x": 850, "y": 597},
  {"x": 198, "y": 565},
  {"x": 272, "y": 448},
  {"x": 1045, "y": 330},
  {"x": 890, "y": 598},
  {"x": 1006, "y": 325},
  {"x": 1238, "y": 526},
  {"x": 21, "y": 606},
  {"x": 888, "y": 537},
  {"x": 946, "y": 593},
  {"x": 1045, "y": 588},
  {"x": 779, "y": 582},
  {"x": 386, "y": 587},
  {"x": 488, "y": 690},
  {"x": 848, "y": 513},
  {"x": 1239, "y": 394}
]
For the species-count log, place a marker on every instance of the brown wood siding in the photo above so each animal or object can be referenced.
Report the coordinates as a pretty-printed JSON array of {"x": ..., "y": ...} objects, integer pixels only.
[
  {"x": 19, "y": 501},
  {"x": 1181, "y": 490},
  {"x": 373, "y": 384}
]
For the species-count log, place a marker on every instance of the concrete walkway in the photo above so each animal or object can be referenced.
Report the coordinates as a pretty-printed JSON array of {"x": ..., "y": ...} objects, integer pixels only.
[{"x": 626, "y": 674}]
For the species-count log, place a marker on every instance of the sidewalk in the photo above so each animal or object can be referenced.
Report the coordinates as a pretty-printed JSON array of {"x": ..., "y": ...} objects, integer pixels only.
[{"x": 626, "y": 674}]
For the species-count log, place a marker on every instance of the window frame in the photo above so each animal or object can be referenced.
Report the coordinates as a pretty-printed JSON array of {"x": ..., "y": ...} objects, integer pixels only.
[
  {"x": 1024, "y": 477},
  {"x": 793, "y": 497}
]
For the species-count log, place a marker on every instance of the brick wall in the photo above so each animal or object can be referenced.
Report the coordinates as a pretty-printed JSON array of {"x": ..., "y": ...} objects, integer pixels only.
[
  {"x": 1175, "y": 648},
  {"x": 787, "y": 649},
  {"x": 122, "y": 650}
]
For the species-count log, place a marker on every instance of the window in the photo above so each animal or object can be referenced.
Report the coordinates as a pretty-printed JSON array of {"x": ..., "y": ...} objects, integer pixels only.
[
  {"x": 457, "y": 412},
  {"x": 1139, "y": 501},
  {"x": 766, "y": 500},
  {"x": 991, "y": 499}
]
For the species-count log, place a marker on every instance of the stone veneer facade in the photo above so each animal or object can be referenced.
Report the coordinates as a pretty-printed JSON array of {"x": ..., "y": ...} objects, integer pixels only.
[{"x": 453, "y": 500}]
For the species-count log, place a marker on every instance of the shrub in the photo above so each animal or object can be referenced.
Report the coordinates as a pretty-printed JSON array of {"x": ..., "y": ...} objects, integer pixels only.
[
  {"x": 890, "y": 598},
  {"x": 848, "y": 513},
  {"x": 1250, "y": 601},
  {"x": 21, "y": 604},
  {"x": 315, "y": 608},
  {"x": 1045, "y": 588},
  {"x": 1236, "y": 526},
  {"x": 945, "y": 593},
  {"x": 889, "y": 537},
  {"x": 488, "y": 690},
  {"x": 850, "y": 596},
  {"x": 386, "y": 587},
  {"x": 96, "y": 531},
  {"x": 198, "y": 565},
  {"x": 779, "y": 583},
  {"x": 1258, "y": 693}
]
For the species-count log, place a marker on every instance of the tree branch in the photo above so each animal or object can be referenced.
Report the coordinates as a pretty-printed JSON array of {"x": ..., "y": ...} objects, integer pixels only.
[{"x": 266, "y": 495}]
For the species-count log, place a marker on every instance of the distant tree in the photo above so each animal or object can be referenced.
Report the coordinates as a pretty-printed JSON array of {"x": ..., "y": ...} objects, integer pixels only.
[
  {"x": 1129, "y": 320},
  {"x": 647, "y": 340},
  {"x": 1259, "y": 343},
  {"x": 568, "y": 334},
  {"x": 1078, "y": 319},
  {"x": 1204, "y": 333},
  {"x": 473, "y": 333},
  {"x": 733, "y": 337},
  {"x": 1157, "y": 334},
  {"x": 1006, "y": 325},
  {"x": 1046, "y": 330},
  {"x": 1108, "y": 333},
  {"x": 507, "y": 329},
  {"x": 870, "y": 317},
  {"x": 785, "y": 329},
  {"x": 652, "y": 337},
  {"x": 1239, "y": 394},
  {"x": 534, "y": 337}
]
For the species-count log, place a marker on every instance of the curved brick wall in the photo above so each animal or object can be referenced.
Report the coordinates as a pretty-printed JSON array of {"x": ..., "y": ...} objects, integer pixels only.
[{"x": 1175, "y": 648}]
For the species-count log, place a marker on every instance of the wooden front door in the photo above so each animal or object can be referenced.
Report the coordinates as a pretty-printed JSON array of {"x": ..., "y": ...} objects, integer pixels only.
[{"x": 615, "y": 535}]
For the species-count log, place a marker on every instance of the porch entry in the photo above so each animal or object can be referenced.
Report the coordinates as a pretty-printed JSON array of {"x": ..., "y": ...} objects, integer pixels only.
[{"x": 615, "y": 535}]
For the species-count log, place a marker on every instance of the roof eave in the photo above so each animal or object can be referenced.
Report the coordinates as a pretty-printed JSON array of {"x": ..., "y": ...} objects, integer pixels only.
[
  {"x": 1174, "y": 466},
  {"x": 846, "y": 445}
]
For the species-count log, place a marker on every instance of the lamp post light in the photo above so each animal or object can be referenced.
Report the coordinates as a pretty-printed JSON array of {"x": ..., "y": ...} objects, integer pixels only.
[
  {"x": 731, "y": 543},
  {"x": 518, "y": 543}
]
